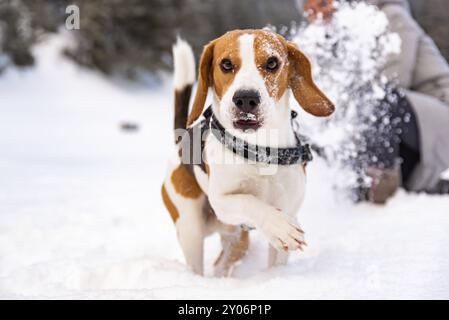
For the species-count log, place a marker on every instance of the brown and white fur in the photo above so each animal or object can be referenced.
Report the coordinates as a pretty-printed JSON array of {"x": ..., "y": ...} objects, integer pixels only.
[{"x": 225, "y": 196}]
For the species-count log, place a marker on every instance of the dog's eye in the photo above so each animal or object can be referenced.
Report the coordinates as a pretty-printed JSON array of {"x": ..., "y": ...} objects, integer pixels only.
[
  {"x": 272, "y": 64},
  {"x": 226, "y": 65}
]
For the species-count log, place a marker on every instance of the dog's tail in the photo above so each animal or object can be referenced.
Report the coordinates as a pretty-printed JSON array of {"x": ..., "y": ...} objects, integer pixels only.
[{"x": 184, "y": 78}]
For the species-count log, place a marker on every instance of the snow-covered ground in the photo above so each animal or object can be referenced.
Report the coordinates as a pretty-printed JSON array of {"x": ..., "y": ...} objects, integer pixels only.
[{"x": 81, "y": 215}]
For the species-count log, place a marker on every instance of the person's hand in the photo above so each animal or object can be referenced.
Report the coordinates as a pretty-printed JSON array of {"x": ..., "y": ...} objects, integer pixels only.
[
  {"x": 319, "y": 8},
  {"x": 442, "y": 187}
]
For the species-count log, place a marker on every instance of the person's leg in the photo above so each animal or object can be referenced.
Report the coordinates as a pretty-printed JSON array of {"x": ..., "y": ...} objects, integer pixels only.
[
  {"x": 392, "y": 148},
  {"x": 377, "y": 156},
  {"x": 410, "y": 151},
  {"x": 408, "y": 135},
  {"x": 433, "y": 120}
]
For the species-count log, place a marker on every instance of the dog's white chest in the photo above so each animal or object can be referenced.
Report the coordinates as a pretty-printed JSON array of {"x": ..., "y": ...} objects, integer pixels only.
[{"x": 280, "y": 186}]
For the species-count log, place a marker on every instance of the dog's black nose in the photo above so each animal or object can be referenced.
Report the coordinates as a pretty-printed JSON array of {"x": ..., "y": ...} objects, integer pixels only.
[{"x": 246, "y": 100}]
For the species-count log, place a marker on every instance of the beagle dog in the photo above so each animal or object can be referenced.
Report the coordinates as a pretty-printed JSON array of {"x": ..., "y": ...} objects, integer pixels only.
[{"x": 250, "y": 73}]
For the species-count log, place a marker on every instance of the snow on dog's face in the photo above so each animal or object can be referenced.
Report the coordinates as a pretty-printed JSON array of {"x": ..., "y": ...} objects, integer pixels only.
[{"x": 250, "y": 72}]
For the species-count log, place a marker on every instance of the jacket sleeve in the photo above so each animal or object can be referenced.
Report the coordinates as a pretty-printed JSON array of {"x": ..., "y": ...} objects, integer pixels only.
[
  {"x": 402, "y": 65},
  {"x": 420, "y": 66},
  {"x": 431, "y": 74}
]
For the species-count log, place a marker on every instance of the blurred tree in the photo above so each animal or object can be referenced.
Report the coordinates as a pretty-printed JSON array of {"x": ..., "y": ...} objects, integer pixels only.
[
  {"x": 16, "y": 32},
  {"x": 124, "y": 37},
  {"x": 22, "y": 23},
  {"x": 128, "y": 37}
]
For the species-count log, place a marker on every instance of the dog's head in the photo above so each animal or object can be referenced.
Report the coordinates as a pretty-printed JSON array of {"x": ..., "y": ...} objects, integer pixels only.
[{"x": 250, "y": 72}]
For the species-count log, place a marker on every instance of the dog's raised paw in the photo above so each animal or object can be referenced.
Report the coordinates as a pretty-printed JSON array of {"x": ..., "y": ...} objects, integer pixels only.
[{"x": 283, "y": 233}]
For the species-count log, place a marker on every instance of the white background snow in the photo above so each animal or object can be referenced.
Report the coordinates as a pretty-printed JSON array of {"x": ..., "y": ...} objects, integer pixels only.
[{"x": 81, "y": 214}]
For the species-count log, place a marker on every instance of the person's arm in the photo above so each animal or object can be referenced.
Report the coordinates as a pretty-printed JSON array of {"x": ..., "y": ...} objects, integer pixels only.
[
  {"x": 420, "y": 66},
  {"x": 403, "y": 64},
  {"x": 431, "y": 74}
]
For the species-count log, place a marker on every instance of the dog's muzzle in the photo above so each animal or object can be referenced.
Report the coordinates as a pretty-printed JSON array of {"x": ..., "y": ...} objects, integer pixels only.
[{"x": 247, "y": 103}]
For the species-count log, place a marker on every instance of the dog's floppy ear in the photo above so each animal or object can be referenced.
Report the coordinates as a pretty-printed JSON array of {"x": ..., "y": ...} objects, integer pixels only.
[
  {"x": 204, "y": 79},
  {"x": 304, "y": 89}
]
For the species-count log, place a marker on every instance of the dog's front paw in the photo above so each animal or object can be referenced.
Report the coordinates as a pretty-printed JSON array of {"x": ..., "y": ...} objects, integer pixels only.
[{"x": 282, "y": 232}]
